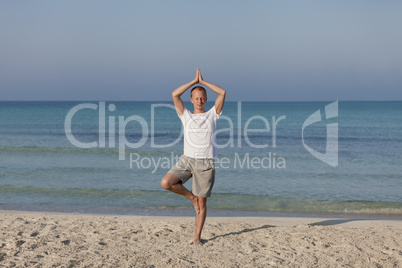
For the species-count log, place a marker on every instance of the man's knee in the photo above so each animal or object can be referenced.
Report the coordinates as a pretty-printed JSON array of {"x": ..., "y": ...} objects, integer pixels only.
[
  {"x": 168, "y": 181},
  {"x": 165, "y": 183}
]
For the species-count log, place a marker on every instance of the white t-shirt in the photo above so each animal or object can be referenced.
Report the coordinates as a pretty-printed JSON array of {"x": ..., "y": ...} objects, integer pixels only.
[{"x": 199, "y": 133}]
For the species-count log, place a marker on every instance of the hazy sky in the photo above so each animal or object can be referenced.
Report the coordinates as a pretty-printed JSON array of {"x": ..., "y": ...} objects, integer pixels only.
[{"x": 256, "y": 50}]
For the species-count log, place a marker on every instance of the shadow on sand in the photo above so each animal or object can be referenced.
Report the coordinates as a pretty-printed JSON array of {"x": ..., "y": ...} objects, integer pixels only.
[
  {"x": 333, "y": 222},
  {"x": 242, "y": 231},
  {"x": 321, "y": 223}
]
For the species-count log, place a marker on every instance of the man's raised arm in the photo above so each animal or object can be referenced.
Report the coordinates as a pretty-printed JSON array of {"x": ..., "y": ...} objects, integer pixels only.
[
  {"x": 178, "y": 103},
  {"x": 220, "y": 100}
]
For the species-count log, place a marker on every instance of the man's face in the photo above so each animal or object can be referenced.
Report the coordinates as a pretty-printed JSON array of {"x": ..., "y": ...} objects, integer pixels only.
[{"x": 198, "y": 98}]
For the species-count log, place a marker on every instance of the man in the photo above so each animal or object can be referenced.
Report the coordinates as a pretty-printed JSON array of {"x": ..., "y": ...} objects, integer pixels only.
[{"x": 199, "y": 148}]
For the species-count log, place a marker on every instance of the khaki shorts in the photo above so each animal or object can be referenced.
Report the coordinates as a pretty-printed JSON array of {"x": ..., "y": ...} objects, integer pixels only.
[{"x": 202, "y": 171}]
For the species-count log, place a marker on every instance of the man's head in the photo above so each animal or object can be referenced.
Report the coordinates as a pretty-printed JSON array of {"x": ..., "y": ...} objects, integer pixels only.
[
  {"x": 198, "y": 98},
  {"x": 198, "y": 88}
]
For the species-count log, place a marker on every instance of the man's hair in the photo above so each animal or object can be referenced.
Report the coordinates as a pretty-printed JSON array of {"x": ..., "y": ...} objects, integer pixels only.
[{"x": 199, "y": 87}]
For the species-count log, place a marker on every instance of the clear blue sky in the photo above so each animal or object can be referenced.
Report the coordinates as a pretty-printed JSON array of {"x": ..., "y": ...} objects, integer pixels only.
[{"x": 256, "y": 50}]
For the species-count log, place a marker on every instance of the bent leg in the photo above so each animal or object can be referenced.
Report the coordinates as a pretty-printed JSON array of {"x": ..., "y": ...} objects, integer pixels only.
[
  {"x": 173, "y": 183},
  {"x": 200, "y": 219}
]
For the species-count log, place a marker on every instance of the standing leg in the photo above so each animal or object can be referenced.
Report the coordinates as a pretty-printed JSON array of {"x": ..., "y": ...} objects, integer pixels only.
[
  {"x": 200, "y": 219},
  {"x": 173, "y": 183}
]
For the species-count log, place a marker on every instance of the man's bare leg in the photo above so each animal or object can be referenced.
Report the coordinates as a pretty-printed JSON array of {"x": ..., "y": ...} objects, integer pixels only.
[
  {"x": 172, "y": 183},
  {"x": 200, "y": 219}
]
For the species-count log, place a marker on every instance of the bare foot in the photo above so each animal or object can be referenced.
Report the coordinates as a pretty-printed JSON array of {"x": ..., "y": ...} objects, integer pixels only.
[
  {"x": 197, "y": 242},
  {"x": 195, "y": 203}
]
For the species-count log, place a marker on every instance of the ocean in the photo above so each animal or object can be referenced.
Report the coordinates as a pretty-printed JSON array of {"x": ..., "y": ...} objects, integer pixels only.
[{"x": 273, "y": 157}]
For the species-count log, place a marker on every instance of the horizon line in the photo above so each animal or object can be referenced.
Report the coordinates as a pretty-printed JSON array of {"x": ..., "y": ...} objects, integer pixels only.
[{"x": 207, "y": 102}]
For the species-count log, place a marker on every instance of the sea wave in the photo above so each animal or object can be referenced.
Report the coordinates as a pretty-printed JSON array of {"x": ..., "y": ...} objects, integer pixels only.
[
  {"x": 37, "y": 149},
  {"x": 113, "y": 199}
]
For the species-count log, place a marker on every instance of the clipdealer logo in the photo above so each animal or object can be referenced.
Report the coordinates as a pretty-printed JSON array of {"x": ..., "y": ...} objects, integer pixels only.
[{"x": 330, "y": 156}]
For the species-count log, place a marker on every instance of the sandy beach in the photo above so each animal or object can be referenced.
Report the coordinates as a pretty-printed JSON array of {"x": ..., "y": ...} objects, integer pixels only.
[{"x": 39, "y": 239}]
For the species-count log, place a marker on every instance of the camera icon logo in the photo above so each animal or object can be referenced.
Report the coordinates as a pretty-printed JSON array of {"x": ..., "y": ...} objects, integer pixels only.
[{"x": 330, "y": 156}]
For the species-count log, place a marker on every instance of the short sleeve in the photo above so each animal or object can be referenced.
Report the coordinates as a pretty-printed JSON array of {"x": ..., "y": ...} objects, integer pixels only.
[
  {"x": 184, "y": 112},
  {"x": 216, "y": 114},
  {"x": 184, "y": 117}
]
